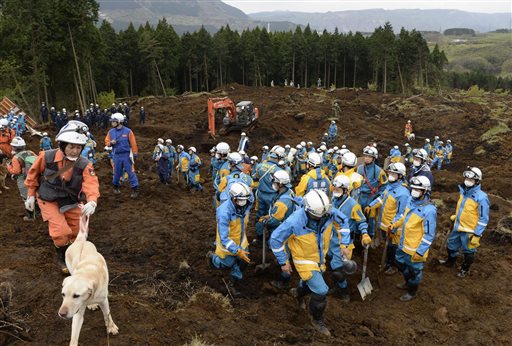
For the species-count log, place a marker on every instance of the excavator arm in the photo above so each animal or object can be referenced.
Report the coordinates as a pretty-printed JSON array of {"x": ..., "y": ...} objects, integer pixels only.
[{"x": 218, "y": 104}]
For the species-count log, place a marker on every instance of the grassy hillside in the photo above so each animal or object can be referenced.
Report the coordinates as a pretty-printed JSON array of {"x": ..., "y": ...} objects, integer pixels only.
[{"x": 491, "y": 52}]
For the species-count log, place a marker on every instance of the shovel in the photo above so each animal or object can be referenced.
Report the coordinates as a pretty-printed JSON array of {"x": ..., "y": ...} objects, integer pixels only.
[
  {"x": 261, "y": 267},
  {"x": 365, "y": 286}
]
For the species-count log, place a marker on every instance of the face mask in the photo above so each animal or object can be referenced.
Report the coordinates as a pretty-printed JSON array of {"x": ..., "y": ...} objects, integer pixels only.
[
  {"x": 391, "y": 178},
  {"x": 241, "y": 202},
  {"x": 72, "y": 158},
  {"x": 416, "y": 193},
  {"x": 275, "y": 187},
  {"x": 416, "y": 163},
  {"x": 469, "y": 183},
  {"x": 337, "y": 194}
]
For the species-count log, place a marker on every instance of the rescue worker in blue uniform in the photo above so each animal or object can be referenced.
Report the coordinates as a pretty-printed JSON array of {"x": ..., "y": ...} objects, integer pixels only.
[
  {"x": 307, "y": 233},
  {"x": 333, "y": 132},
  {"x": 173, "y": 157},
  {"x": 231, "y": 245},
  {"x": 45, "y": 143},
  {"x": 392, "y": 205},
  {"x": 418, "y": 228},
  {"x": 356, "y": 226},
  {"x": 223, "y": 170},
  {"x": 439, "y": 156},
  {"x": 235, "y": 176},
  {"x": 161, "y": 157},
  {"x": 194, "y": 178},
  {"x": 123, "y": 143},
  {"x": 395, "y": 154},
  {"x": 315, "y": 178},
  {"x": 449, "y": 152},
  {"x": 420, "y": 166},
  {"x": 374, "y": 183},
  {"x": 265, "y": 192},
  {"x": 469, "y": 222}
]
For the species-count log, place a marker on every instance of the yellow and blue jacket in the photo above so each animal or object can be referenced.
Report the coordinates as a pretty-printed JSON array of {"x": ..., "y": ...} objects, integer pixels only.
[
  {"x": 282, "y": 207},
  {"x": 314, "y": 179},
  {"x": 472, "y": 211},
  {"x": 232, "y": 228},
  {"x": 356, "y": 180},
  {"x": 308, "y": 240},
  {"x": 236, "y": 176},
  {"x": 418, "y": 227},
  {"x": 356, "y": 219},
  {"x": 263, "y": 175},
  {"x": 392, "y": 203},
  {"x": 223, "y": 171}
]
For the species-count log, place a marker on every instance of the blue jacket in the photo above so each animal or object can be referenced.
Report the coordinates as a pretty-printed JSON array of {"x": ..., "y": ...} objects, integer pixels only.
[
  {"x": 423, "y": 170},
  {"x": 333, "y": 130},
  {"x": 472, "y": 210},
  {"x": 375, "y": 175},
  {"x": 392, "y": 203},
  {"x": 122, "y": 138},
  {"x": 283, "y": 206},
  {"x": 349, "y": 206},
  {"x": 264, "y": 172},
  {"x": 46, "y": 143},
  {"x": 395, "y": 152}
]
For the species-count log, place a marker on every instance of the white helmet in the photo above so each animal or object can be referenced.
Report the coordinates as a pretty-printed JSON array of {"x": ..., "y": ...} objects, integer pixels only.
[
  {"x": 254, "y": 158},
  {"x": 343, "y": 146},
  {"x": 341, "y": 181},
  {"x": 316, "y": 203},
  {"x": 330, "y": 151},
  {"x": 371, "y": 151},
  {"x": 278, "y": 151},
  {"x": 281, "y": 177},
  {"x": 235, "y": 158},
  {"x": 314, "y": 160},
  {"x": 287, "y": 146},
  {"x": 335, "y": 148},
  {"x": 436, "y": 137},
  {"x": 223, "y": 148},
  {"x": 343, "y": 151},
  {"x": 448, "y": 141},
  {"x": 406, "y": 144},
  {"x": 333, "y": 122},
  {"x": 117, "y": 117},
  {"x": 160, "y": 141},
  {"x": 395, "y": 147},
  {"x": 397, "y": 167},
  {"x": 265, "y": 148},
  {"x": 323, "y": 148},
  {"x": 168, "y": 141},
  {"x": 107, "y": 148},
  {"x": 242, "y": 153},
  {"x": 310, "y": 143},
  {"x": 420, "y": 183},
  {"x": 4, "y": 123},
  {"x": 45, "y": 134},
  {"x": 472, "y": 173},
  {"x": 240, "y": 191},
  {"x": 18, "y": 142},
  {"x": 349, "y": 159},
  {"x": 74, "y": 126},
  {"x": 192, "y": 149},
  {"x": 408, "y": 121},
  {"x": 427, "y": 140},
  {"x": 420, "y": 153},
  {"x": 71, "y": 137},
  {"x": 303, "y": 143},
  {"x": 299, "y": 146},
  {"x": 325, "y": 134}
]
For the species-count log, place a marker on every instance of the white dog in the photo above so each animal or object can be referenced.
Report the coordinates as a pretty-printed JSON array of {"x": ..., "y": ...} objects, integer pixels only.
[
  {"x": 411, "y": 137},
  {"x": 86, "y": 287}
]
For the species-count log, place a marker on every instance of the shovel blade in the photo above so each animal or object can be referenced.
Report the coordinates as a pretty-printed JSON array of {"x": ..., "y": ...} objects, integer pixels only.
[
  {"x": 262, "y": 267},
  {"x": 365, "y": 288}
]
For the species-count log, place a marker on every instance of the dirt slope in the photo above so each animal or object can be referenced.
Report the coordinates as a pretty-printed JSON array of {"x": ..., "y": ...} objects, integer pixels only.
[{"x": 161, "y": 289}]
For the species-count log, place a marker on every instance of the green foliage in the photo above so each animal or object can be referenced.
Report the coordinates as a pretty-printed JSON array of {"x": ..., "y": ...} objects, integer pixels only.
[
  {"x": 105, "y": 99},
  {"x": 495, "y": 133},
  {"x": 475, "y": 91}
]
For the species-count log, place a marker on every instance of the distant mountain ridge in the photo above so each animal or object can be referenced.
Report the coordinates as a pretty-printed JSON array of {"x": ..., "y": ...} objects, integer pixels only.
[{"x": 368, "y": 20}]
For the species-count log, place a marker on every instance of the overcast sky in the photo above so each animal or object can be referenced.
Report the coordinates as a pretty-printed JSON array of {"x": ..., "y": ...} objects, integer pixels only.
[{"x": 487, "y": 6}]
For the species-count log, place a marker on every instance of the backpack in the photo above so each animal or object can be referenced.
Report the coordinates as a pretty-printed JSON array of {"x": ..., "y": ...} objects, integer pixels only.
[{"x": 28, "y": 159}]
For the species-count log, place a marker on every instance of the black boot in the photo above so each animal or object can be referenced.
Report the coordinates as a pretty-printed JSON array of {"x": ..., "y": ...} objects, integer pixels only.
[
  {"x": 61, "y": 258},
  {"x": 283, "y": 283},
  {"x": 117, "y": 191},
  {"x": 469, "y": 258},
  {"x": 30, "y": 215},
  {"x": 233, "y": 286},
  {"x": 317, "y": 305},
  {"x": 135, "y": 192},
  {"x": 300, "y": 292}
]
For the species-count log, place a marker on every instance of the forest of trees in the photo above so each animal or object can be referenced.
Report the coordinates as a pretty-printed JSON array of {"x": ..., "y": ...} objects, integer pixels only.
[{"x": 55, "y": 51}]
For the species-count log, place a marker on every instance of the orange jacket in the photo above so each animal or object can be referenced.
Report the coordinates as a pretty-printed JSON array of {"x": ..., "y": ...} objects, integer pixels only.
[
  {"x": 16, "y": 167},
  {"x": 90, "y": 184},
  {"x": 408, "y": 129},
  {"x": 6, "y": 137}
]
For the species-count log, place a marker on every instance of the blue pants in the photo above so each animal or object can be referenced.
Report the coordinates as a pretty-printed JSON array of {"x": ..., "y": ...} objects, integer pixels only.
[
  {"x": 264, "y": 203},
  {"x": 316, "y": 284},
  {"x": 171, "y": 167},
  {"x": 437, "y": 161},
  {"x": 192, "y": 177},
  {"x": 123, "y": 163},
  {"x": 163, "y": 170},
  {"x": 229, "y": 262},
  {"x": 459, "y": 240},
  {"x": 412, "y": 271},
  {"x": 336, "y": 261}
]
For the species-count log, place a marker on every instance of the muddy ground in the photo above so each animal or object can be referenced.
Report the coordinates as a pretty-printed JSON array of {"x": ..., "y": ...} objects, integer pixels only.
[{"x": 162, "y": 292}]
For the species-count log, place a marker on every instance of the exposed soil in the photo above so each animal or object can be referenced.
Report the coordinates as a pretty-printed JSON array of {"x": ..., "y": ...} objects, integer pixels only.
[{"x": 155, "y": 246}]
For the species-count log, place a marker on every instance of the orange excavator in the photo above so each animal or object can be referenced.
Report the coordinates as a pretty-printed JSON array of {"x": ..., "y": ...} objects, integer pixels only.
[{"x": 223, "y": 111}]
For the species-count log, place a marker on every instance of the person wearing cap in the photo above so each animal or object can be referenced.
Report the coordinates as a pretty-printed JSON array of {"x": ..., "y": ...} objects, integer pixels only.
[
  {"x": 65, "y": 186},
  {"x": 469, "y": 222},
  {"x": 374, "y": 183},
  {"x": 231, "y": 244},
  {"x": 21, "y": 162},
  {"x": 392, "y": 203},
  {"x": 417, "y": 227},
  {"x": 333, "y": 132},
  {"x": 348, "y": 169},
  {"x": 123, "y": 143},
  {"x": 161, "y": 157},
  {"x": 45, "y": 143},
  {"x": 244, "y": 142},
  {"x": 194, "y": 178},
  {"x": 304, "y": 238},
  {"x": 310, "y": 148}
]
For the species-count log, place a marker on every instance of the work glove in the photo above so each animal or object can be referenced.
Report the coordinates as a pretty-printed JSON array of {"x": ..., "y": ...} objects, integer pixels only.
[
  {"x": 453, "y": 217},
  {"x": 287, "y": 268},
  {"x": 30, "y": 203},
  {"x": 416, "y": 257},
  {"x": 243, "y": 255},
  {"x": 89, "y": 208},
  {"x": 390, "y": 229},
  {"x": 367, "y": 210},
  {"x": 474, "y": 241},
  {"x": 366, "y": 239}
]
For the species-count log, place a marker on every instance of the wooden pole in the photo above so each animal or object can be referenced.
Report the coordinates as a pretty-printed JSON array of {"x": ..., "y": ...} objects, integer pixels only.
[
  {"x": 160, "y": 77},
  {"x": 81, "y": 90}
]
